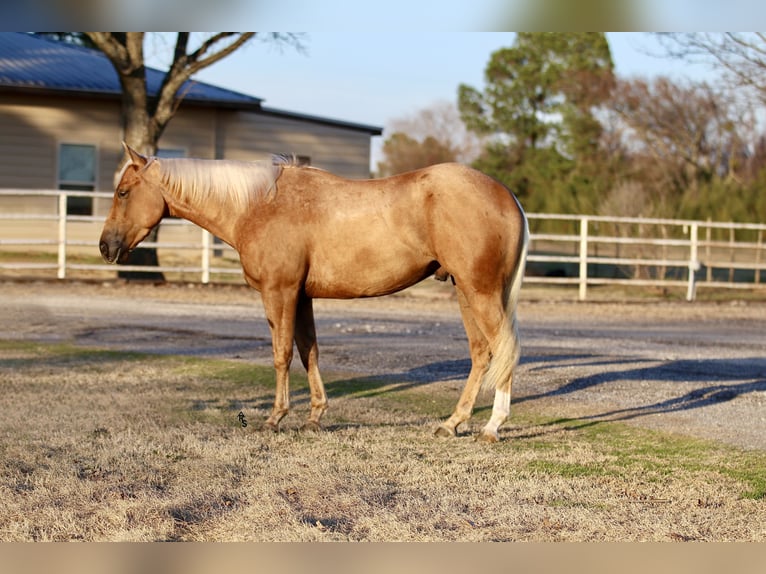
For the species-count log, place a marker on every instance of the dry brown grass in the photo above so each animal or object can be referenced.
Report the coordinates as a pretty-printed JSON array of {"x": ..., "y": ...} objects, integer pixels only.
[{"x": 113, "y": 446}]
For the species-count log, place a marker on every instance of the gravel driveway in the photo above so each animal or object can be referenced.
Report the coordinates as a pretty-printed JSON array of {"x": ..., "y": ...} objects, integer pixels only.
[{"x": 698, "y": 369}]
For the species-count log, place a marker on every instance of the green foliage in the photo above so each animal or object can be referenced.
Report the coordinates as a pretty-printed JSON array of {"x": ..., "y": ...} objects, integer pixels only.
[
  {"x": 566, "y": 137},
  {"x": 542, "y": 89},
  {"x": 724, "y": 200},
  {"x": 534, "y": 175},
  {"x": 539, "y": 104},
  {"x": 618, "y": 449}
]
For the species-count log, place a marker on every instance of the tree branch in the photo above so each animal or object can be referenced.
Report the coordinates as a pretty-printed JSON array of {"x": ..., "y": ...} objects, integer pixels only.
[
  {"x": 182, "y": 41},
  {"x": 185, "y": 65},
  {"x": 197, "y": 62},
  {"x": 125, "y": 56},
  {"x": 742, "y": 56},
  {"x": 145, "y": 119}
]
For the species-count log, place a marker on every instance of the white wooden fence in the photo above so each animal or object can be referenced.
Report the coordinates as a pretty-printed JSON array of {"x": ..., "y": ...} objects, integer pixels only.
[
  {"x": 65, "y": 242},
  {"x": 578, "y": 250},
  {"x": 649, "y": 252}
]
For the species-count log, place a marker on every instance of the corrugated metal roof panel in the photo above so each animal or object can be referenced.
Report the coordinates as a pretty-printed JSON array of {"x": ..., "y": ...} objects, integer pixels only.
[{"x": 28, "y": 61}]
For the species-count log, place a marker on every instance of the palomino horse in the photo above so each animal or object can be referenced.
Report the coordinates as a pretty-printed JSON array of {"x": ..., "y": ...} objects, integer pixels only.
[{"x": 303, "y": 233}]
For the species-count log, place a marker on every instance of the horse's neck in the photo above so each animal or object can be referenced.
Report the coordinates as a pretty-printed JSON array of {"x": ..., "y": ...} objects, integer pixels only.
[
  {"x": 216, "y": 194},
  {"x": 214, "y": 221}
]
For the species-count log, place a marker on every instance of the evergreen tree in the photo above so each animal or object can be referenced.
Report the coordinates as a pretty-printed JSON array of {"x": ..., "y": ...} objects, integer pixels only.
[{"x": 539, "y": 106}]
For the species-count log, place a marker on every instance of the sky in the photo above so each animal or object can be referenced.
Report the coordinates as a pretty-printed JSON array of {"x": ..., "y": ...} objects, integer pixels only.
[
  {"x": 337, "y": 16},
  {"x": 375, "y": 77},
  {"x": 372, "y": 78}
]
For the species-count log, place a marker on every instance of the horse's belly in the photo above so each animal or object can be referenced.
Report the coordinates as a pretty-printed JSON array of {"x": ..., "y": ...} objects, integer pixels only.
[{"x": 365, "y": 273}]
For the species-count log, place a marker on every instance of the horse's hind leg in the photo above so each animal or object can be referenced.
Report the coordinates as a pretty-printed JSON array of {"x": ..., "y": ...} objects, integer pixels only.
[
  {"x": 306, "y": 341},
  {"x": 479, "y": 349},
  {"x": 501, "y": 330}
]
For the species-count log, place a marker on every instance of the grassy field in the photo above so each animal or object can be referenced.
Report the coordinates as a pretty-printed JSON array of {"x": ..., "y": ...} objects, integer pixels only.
[{"x": 99, "y": 445}]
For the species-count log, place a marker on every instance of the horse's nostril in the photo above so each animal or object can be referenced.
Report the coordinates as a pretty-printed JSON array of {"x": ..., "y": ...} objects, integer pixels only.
[{"x": 106, "y": 253}]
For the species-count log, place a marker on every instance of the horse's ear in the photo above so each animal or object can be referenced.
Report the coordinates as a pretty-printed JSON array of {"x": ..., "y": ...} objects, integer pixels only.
[{"x": 135, "y": 158}]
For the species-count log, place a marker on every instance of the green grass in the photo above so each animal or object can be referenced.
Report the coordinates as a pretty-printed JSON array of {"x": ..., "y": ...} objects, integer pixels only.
[
  {"x": 655, "y": 455},
  {"x": 105, "y": 445},
  {"x": 33, "y": 355},
  {"x": 619, "y": 447},
  {"x": 752, "y": 474}
]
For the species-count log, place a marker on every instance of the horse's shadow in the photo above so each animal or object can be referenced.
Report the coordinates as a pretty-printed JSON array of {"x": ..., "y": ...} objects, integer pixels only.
[
  {"x": 368, "y": 386},
  {"x": 716, "y": 381},
  {"x": 720, "y": 380}
]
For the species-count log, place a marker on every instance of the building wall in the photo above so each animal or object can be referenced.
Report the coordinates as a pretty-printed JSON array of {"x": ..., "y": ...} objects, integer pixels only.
[
  {"x": 342, "y": 151},
  {"x": 32, "y": 128},
  {"x": 192, "y": 130}
]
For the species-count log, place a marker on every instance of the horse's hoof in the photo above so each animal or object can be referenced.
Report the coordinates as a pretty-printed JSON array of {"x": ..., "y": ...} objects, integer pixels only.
[
  {"x": 311, "y": 426},
  {"x": 272, "y": 426},
  {"x": 486, "y": 437},
  {"x": 444, "y": 431}
]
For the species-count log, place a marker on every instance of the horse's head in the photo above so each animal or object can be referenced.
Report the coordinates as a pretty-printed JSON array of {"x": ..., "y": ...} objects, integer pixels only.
[{"x": 138, "y": 206}]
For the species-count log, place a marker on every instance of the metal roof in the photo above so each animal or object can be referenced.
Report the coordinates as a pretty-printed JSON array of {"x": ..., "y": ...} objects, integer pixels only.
[{"x": 34, "y": 62}]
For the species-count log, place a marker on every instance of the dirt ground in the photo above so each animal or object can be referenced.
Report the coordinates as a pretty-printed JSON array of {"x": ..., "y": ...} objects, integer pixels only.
[{"x": 697, "y": 369}]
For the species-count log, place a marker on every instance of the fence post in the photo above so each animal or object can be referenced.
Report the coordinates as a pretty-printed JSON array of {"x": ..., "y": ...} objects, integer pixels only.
[
  {"x": 205, "y": 257},
  {"x": 758, "y": 250},
  {"x": 583, "y": 258},
  {"x": 691, "y": 289},
  {"x": 708, "y": 238},
  {"x": 61, "y": 274}
]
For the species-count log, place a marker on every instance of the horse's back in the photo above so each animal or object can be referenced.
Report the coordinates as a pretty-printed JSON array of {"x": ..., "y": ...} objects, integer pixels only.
[
  {"x": 459, "y": 195},
  {"x": 370, "y": 237},
  {"x": 464, "y": 182}
]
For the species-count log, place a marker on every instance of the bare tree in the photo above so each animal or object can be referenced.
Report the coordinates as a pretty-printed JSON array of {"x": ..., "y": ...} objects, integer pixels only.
[
  {"x": 741, "y": 56},
  {"x": 404, "y": 153},
  {"x": 441, "y": 121},
  {"x": 693, "y": 131},
  {"x": 434, "y": 134},
  {"x": 144, "y": 115}
]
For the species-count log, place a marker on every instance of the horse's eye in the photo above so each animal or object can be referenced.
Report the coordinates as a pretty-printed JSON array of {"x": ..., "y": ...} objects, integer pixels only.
[{"x": 122, "y": 193}]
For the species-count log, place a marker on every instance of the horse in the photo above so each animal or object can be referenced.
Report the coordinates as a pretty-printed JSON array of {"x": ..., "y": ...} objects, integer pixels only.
[{"x": 303, "y": 233}]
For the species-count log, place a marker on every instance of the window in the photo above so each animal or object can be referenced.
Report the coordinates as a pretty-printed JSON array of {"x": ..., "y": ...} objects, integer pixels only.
[
  {"x": 77, "y": 172},
  {"x": 170, "y": 153},
  {"x": 297, "y": 159}
]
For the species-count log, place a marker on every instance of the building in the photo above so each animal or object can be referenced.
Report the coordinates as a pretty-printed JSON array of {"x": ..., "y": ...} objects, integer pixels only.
[{"x": 60, "y": 125}]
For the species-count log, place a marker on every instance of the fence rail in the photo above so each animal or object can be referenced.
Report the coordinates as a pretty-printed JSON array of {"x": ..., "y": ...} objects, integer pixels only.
[
  {"x": 646, "y": 252},
  {"x": 577, "y": 250}
]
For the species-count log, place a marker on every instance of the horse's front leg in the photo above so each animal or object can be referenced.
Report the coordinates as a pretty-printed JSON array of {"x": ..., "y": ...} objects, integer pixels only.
[
  {"x": 280, "y": 310},
  {"x": 306, "y": 341}
]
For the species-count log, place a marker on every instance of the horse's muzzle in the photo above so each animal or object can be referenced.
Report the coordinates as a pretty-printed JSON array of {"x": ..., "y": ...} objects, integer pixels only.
[{"x": 113, "y": 251}]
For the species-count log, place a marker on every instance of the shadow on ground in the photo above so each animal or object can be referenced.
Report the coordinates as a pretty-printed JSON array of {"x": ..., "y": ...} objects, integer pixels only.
[{"x": 719, "y": 380}]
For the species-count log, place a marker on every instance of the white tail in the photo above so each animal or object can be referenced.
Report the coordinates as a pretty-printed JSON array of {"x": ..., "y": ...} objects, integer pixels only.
[{"x": 505, "y": 348}]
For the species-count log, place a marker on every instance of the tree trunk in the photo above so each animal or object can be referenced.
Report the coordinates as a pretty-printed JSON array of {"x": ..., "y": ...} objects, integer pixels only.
[
  {"x": 147, "y": 257},
  {"x": 138, "y": 135},
  {"x": 144, "y": 120}
]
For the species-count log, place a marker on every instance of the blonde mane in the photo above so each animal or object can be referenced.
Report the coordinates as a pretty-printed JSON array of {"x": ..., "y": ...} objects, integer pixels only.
[{"x": 236, "y": 182}]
